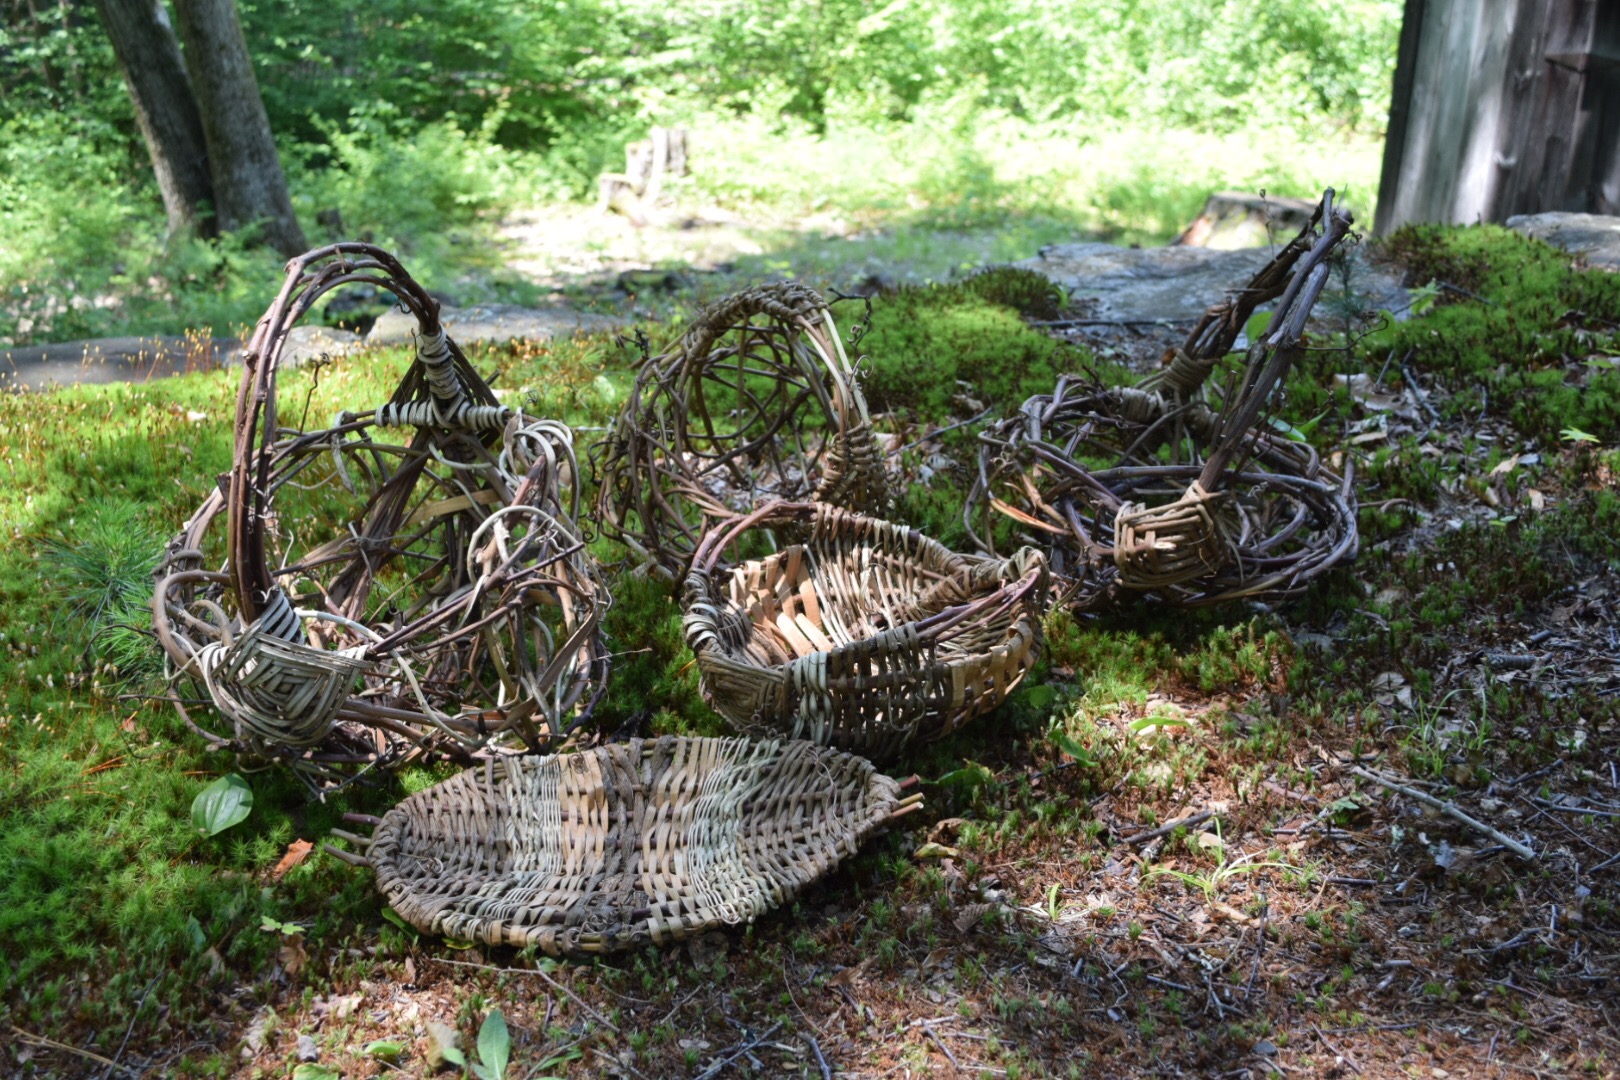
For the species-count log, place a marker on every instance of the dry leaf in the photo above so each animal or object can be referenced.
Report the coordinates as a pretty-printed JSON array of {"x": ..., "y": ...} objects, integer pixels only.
[
  {"x": 292, "y": 955},
  {"x": 297, "y": 852}
]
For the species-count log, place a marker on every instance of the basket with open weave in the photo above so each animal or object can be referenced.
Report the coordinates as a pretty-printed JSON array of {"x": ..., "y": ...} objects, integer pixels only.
[
  {"x": 409, "y": 580},
  {"x": 612, "y": 848},
  {"x": 860, "y": 634},
  {"x": 1153, "y": 491},
  {"x": 758, "y": 401}
]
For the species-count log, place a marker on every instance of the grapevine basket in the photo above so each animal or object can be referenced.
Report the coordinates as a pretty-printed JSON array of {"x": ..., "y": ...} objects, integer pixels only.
[
  {"x": 757, "y": 402},
  {"x": 643, "y": 841},
  {"x": 861, "y": 634},
  {"x": 410, "y": 580},
  {"x": 1157, "y": 491}
]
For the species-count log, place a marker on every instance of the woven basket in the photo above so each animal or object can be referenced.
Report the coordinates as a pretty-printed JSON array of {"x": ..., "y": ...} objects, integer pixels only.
[
  {"x": 864, "y": 635},
  {"x": 757, "y": 402},
  {"x": 409, "y": 580},
  {"x": 1151, "y": 491},
  {"x": 637, "y": 842}
]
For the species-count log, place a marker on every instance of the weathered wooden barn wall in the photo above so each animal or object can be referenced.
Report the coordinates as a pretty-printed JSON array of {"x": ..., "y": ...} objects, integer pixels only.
[{"x": 1503, "y": 107}]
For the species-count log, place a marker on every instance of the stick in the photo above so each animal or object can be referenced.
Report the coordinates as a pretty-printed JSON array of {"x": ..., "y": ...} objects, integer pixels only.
[
  {"x": 1346, "y": 1058},
  {"x": 1522, "y": 850},
  {"x": 52, "y": 1044},
  {"x": 553, "y": 983},
  {"x": 1167, "y": 829},
  {"x": 728, "y": 1056},
  {"x": 932, "y": 1034},
  {"x": 821, "y": 1062}
]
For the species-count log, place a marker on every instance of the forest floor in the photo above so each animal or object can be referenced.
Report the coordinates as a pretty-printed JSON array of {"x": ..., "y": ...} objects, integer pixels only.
[{"x": 1233, "y": 885}]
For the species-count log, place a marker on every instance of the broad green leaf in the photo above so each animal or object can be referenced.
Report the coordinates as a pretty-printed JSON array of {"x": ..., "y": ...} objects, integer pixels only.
[
  {"x": 1040, "y": 697},
  {"x": 1571, "y": 434},
  {"x": 225, "y": 802},
  {"x": 387, "y": 1049},
  {"x": 307, "y": 1071},
  {"x": 1066, "y": 743},
  {"x": 454, "y": 1056},
  {"x": 494, "y": 1045},
  {"x": 970, "y": 775},
  {"x": 390, "y": 915},
  {"x": 194, "y": 934}
]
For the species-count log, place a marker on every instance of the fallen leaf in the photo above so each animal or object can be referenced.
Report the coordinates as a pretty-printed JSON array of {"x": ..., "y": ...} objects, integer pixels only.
[
  {"x": 1506, "y": 465},
  {"x": 932, "y": 850},
  {"x": 297, "y": 852},
  {"x": 292, "y": 955}
]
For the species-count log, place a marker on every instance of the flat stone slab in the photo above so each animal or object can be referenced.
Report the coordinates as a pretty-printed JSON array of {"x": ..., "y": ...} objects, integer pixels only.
[
  {"x": 1145, "y": 285},
  {"x": 1594, "y": 237},
  {"x": 112, "y": 360},
  {"x": 495, "y": 324}
]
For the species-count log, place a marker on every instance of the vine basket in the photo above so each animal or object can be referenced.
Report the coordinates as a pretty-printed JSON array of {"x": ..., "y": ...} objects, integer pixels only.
[
  {"x": 1160, "y": 490},
  {"x": 646, "y": 841},
  {"x": 410, "y": 580},
  {"x": 861, "y": 634},
  {"x": 758, "y": 401}
]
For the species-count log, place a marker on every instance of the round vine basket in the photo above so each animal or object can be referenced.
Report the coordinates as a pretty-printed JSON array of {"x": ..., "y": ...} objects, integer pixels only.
[
  {"x": 864, "y": 635},
  {"x": 757, "y": 402},
  {"x": 1151, "y": 490},
  {"x": 409, "y": 580},
  {"x": 643, "y": 841}
]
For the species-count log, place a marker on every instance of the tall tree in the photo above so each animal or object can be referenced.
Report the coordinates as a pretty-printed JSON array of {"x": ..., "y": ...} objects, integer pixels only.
[
  {"x": 149, "y": 56},
  {"x": 249, "y": 187}
]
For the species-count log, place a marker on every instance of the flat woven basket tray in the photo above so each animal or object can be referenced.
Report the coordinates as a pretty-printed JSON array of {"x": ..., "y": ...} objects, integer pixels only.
[
  {"x": 863, "y": 634},
  {"x": 644, "y": 841}
]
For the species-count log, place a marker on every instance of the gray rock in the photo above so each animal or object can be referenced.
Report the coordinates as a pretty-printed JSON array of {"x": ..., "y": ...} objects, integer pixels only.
[
  {"x": 494, "y": 324},
  {"x": 1179, "y": 282},
  {"x": 306, "y": 343},
  {"x": 307, "y": 1050},
  {"x": 1594, "y": 237},
  {"x": 111, "y": 360}
]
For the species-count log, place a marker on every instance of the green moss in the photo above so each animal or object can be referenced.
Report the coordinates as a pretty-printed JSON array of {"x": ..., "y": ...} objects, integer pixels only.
[
  {"x": 937, "y": 343},
  {"x": 1532, "y": 335}
]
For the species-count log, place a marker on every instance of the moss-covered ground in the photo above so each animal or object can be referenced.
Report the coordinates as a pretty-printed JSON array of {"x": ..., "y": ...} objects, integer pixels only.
[{"x": 1300, "y": 922}]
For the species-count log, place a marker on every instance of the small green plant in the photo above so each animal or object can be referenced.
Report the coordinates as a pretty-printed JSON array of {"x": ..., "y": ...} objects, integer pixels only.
[
  {"x": 219, "y": 806},
  {"x": 494, "y": 1049},
  {"x": 1225, "y": 870}
]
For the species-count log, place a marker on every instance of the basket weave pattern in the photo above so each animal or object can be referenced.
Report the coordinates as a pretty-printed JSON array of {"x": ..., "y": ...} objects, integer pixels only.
[
  {"x": 644, "y": 841},
  {"x": 756, "y": 402},
  {"x": 866, "y": 635}
]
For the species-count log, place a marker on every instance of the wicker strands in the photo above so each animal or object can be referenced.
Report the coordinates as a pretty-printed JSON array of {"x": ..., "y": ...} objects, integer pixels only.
[
  {"x": 1151, "y": 491},
  {"x": 630, "y": 843},
  {"x": 410, "y": 579},
  {"x": 864, "y": 635},
  {"x": 757, "y": 402}
]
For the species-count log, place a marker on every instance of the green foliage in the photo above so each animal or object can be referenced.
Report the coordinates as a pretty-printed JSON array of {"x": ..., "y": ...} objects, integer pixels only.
[
  {"x": 1525, "y": 339},
  {"x": 936, "y": 343},
  {"x": 224, "y": 803}
]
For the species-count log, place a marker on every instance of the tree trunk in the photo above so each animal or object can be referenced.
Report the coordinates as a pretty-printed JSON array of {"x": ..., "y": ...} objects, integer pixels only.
[
  {"x": 149, "y": 57},
  {"x": 249, "y": 187}
]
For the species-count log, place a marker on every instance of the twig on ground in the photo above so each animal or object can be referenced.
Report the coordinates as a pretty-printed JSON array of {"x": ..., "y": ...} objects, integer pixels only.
[
  {"x": 1334, "y": 1050},
  {"x": 932, "y": 1034},
  {"x": 107, "y": 1072},
  {"x": 815, "y": 1048},
  {"x": 1522, "y": 850},
  {"x": 553, "y": 983},
  {"x": 726, "y": 1057},
  {"x": 1168, "y": 828},
  {"x": 51, "y": 1044}
]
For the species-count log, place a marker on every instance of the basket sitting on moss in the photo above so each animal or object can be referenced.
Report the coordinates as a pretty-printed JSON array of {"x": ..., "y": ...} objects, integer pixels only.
[
  {"x": 409, "y": 580},
  {"x": 863, "y": 634},
  {"x": 758, "y": 401},
  {"x": 636, "y": 842},
  {"x": 1152, "y": 490}
]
